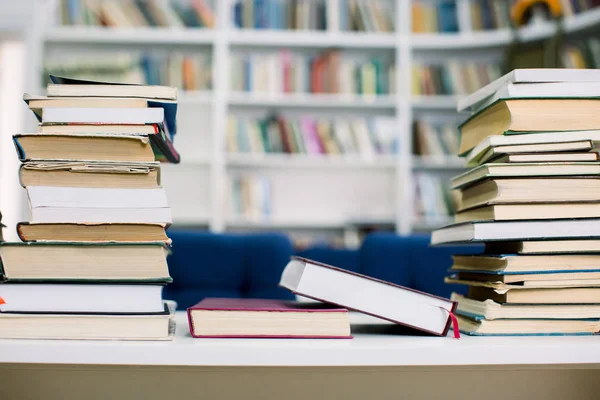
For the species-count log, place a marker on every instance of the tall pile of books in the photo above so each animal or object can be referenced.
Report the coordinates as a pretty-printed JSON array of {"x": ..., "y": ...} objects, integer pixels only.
[
  {"x": 93, "y": 259},
  {"x": 533, "y": 198}
]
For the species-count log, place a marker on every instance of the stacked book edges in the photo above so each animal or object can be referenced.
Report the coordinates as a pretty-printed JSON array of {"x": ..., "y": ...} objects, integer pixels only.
[
  {"x": 532, "y": 196},
  {"x": 92, "y": 261}
]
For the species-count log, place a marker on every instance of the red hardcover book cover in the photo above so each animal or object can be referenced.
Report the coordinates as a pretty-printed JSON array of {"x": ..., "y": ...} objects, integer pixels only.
[{"x": 272, "y": 307}]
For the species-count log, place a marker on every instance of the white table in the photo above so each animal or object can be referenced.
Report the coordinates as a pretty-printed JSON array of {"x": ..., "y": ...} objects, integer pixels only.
[{"x": 367, "y": 361}]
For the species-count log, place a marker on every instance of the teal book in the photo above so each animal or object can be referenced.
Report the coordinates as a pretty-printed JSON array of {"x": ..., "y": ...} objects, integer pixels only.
[{"x": 88, "y": 262}]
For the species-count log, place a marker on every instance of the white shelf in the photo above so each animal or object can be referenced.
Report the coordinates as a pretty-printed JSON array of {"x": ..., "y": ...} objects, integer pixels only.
[
  {"x": 194, "y": 97},
  {"x": 142, "y": 35},
  {"x": 434, "y": 102},
  {"x": 282, "y": 38},
  {"x": 307, "y": 100},
  {"x": 308, "y": 161},
  {"x": 438, "y": 162},
  {"x": 363, "y": 350}
]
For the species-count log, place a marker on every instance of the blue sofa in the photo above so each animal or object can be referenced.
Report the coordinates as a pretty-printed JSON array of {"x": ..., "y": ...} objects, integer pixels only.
[{"x": 249, "y": 265}]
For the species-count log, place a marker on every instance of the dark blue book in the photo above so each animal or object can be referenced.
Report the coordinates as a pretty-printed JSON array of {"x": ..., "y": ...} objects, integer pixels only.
[
  {"x": 260, "y": 14},
  {"x": 237, "y": 14},
  {"x": 447, "y": 19},
  {"x": 486, "y": 15}
]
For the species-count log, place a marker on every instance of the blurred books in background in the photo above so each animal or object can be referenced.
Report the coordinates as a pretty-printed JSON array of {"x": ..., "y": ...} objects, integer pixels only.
[
  {"x": 571, "y": 7},
  {"x": 184, "y": 71},
  {"x": 490, "y": 14},
  {"x": 280, "y": 14},
  {"x": 328, "y": 72},
  {"x": 306, "y": 135},
  {"x": 434, "y": 201},
  {"x": 367, "y": 16},
  {"x": 434, "y": 16},
  {"x": 435, "y": 139},
  {"x": 250, "y": 197},
  {"x": 138, "y": 13},
  {"x": 453, "y": 77}
]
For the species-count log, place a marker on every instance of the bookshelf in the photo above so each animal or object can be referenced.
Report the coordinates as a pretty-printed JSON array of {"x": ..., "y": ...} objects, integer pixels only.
[{"x": 311, "y": 192}]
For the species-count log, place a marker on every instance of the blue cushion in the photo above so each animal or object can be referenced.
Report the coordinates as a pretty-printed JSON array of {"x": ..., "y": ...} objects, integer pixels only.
[
  {"x": 386, "y": 256},
  {"x": 341, "y": 258}
]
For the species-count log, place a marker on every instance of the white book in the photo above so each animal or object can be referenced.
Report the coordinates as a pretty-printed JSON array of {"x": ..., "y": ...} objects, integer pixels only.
[
  {"x": 81, "y": 205},
  {"x": 370, "y": 296},
  {"x": 86, "y": 298},
  {"x": 133, "y": 116},
  {"x": 534, "y": 75},
  {"x": 530, "y": 138},
  {"x": 483, "y": 231},
  {"x": 539, "y": 90}
]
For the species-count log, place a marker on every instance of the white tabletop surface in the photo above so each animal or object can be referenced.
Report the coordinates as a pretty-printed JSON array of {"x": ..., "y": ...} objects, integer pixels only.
[{"x": 362, "y": 350}]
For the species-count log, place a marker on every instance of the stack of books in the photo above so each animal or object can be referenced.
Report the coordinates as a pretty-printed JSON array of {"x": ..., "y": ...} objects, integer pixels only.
[
  {"x": 92, "y": 264},
  {"x": 306, "y": 135},
  {"x": 328, "y": 72},
  {"x": 533, "y": 198}
]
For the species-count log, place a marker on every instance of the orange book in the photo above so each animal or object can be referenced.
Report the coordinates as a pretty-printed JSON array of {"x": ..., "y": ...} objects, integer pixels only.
[
  {"x": 189, "y": 75},
  {"x": 204, "y": 13},
  {"x": 418, "y": 18}
]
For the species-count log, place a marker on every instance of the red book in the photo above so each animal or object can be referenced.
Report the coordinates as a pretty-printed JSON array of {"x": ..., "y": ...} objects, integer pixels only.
[
  {"x": 395, "y": 303},
  {"x": 258, "y": 318}
]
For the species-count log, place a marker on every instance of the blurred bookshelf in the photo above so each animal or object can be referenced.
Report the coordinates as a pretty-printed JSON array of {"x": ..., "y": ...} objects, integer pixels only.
[{"x": 299, "y": 60}]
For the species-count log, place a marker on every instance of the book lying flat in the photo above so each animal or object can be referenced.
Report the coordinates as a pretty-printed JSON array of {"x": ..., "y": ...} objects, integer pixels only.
[
  {"x": 570, "y": 295},
  {"x": 491, "y": 310},
  {"x": 378, "y": 298},
  {"x": 554, "y": 140},
  {"x": 485, "y": 231},
  {"x": 521, "y": 327},
  {"x": 63, "y": 261},
  {"x": 89, "y": 205},
  {"x": 68, "y": 87},
  {"x": 542, "y": 158},
  {"x": 529, "y": 115},
  {"x": 90, "y": 174},
  {"x": 114, "y": 116},
  {"x": 544, "y": 247},
  {"x": 261, "y": 318},
  {"x": 527, "y": 285},
  {"x": 514, "y": 264},
  {"x": 514, "y": 212},
  {"x": 524, "y": 82},
  {"x": 523, "y": 170},
  {"x": 526, "y": 278},
  {"x": 92, "y": 232},
  {"x": 110, "y": 129},
  {"x": 78, "y": 326},
  {"x": 531, "y": 190},
  {"x": 91, "y": 147},
  {"x": 587, "y": 147},
  {"x": 81, "y": 298}
]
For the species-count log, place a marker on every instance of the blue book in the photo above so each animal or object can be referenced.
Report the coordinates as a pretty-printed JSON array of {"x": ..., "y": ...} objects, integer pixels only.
[
  {"x": 237, "y": 14},
  {"x": 447, "y": 18},
  {"x": 248, "y": 74},
  {"x": 260, "y": 15}
]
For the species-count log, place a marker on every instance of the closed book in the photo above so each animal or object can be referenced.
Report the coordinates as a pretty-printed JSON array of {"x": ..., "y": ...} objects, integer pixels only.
[
  {"x": 537, "y": 149},
  {"x": 85, "y": 205},
  {"x": 516, "y": 212},
  {"x": 529, "y": 76},
  {"x": 378, "y": 298},
  {"x": 81, "y": 297},
  {"x": 90, "y": 174},
  {"x": 261, "y": 318},
  {"x": 87, "y": 326},
  {"x": 522, "y": 264},
  {"x": 529, "y": 116},
  {"x": 570, "y": 295},
  {"x": 68, "y": 87},
  {"x": 529, "y": 278},
  {"x": 114, "y": 116},
  {"x": 92, "y": 147},
  {"x": 544, "y": 247},
  {"x": 540, "y": 158},
  {"x": 549, "y": 169},
  {"x": 491, "y": 310},
  {"x": 526, "y": 327},
  {"x": 84, "y": 262},
  {"x": 485, "y": 231}
]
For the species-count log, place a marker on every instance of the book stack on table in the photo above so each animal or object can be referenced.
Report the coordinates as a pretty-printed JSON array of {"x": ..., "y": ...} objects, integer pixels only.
[
  {"x": 92, "y": 263},
  {"x": 533, "y": 198}
]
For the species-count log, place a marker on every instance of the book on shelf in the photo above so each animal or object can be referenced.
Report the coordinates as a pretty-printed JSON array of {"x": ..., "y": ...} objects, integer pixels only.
[
  {"x": 366, "y": 16},
  {"x": 137, "y": 13},
  {"x": 490, "y": 14},
  {"x": 572, "y": 7},
  {"x": 59, "y": 260},
  {"x": 93, "y": 261},
  {"x": 261, "y": 318},
  {"x": 433, "y": 199},
  {"x": 378, "y": 298},
  {"x": 452, "y": 78},
  {"x": 328, "y": 72},
  {"x": 434, "y": 16},
  {"x": 435, "y": 139},
  {"x": 280, "y": 15},
  {"x": 187, "y": 71},
  {"x": 308, "y": 135},
  {"x": 250, "y": 197}
]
